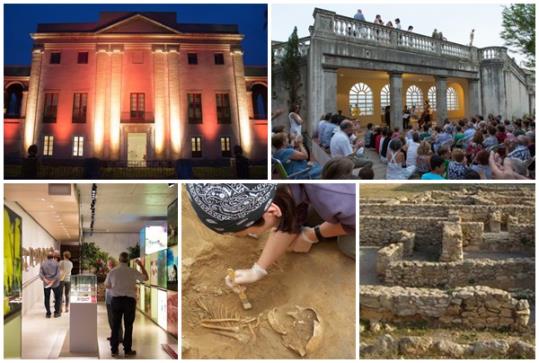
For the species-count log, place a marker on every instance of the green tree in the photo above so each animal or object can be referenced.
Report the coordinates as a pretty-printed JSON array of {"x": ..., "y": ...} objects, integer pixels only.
[
  {"x": 291, "y": 68},
  {"x": 92, "y": 256},
  {"x": 519, "y": 30}
]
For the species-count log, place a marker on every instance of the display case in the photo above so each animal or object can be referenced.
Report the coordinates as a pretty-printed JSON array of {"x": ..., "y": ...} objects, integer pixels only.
[{"x": 83, "y": 289}]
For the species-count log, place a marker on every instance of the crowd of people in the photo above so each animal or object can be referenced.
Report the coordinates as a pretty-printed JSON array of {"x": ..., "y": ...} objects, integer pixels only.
[{"x": 476, "y": 148}]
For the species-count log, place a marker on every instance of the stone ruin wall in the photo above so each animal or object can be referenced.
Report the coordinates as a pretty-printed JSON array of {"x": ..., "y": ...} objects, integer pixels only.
[
  {"x": 469, "y": 307},
  {"x": 504, "y": 274},
  {"x": 468, "y": 213},
  {"x": 525, "y": 233},
  {"x": 379, "y": 230},
  {"x": 388, "y": 255}
]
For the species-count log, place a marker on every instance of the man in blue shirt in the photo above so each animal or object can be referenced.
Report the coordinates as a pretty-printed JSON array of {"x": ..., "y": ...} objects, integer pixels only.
[
  {"x": 359, "y": 15},
  {"x": 437, "y": 167},
  {"x": 49, "y": 273}
]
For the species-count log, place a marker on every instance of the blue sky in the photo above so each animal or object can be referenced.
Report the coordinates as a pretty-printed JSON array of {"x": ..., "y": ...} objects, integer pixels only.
[{"x": 21, "y": 20}]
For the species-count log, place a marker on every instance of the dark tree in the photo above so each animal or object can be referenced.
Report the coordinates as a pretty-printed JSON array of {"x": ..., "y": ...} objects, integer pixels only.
[{"x": 291, "y": 68}]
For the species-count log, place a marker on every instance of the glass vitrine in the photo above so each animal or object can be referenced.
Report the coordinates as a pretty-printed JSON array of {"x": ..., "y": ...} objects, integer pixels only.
[{"x": 83, "y": 289}]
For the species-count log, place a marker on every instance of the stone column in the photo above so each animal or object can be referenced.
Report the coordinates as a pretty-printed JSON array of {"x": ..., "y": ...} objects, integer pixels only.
[
  {"x": 495, "y": 221},
  {"x": 395, "y": 97},
  {"x": 329, "y": 88},
  {"x": 101, "y": 86},
  {"x": 33, "y": 117},
  {"x": 452, "y": 239},
  {"x": 175, "y": 125},
  {"x": 474, "y": 98},
  {"x": 24, "y": 99},
  {"x": 115, "y": 103},
  {"x": 160, "y": 100},
  {"x": 243, "y": 122},
  {"x": 441, "y": 99}
]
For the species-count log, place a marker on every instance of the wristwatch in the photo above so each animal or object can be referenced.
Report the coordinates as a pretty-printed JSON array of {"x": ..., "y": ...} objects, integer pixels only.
[{"x": 319, "y": 236}]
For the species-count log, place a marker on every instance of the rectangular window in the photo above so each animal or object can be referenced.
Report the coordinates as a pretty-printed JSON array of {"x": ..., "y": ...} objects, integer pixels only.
[
  {"x": 51, "y": 107},
  {"x": 48, "y": 144},
  {"x": 219, "y": 58},
  {"x": 78, "y": 146},
  {"x": 196, "y": 147},
  {"x": 80, "y": 101},
  {"x": 223, "y": 108},
  {"x": 225, "y": 147},
  {"x": 192, "y": 58},
  {"x": 137, "y": 107},
  {"x": 194, "y": 108},
  {"x": 56, "y": 57},
  {"x": 82, "y": 58}
]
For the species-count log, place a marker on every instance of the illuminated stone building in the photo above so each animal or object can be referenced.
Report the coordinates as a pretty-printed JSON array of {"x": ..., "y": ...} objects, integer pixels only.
[
  {"x": 136, "y": 87},
  {"x": 360, "y": 68}
]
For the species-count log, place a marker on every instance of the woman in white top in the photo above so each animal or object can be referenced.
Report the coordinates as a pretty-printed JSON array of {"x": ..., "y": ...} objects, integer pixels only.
[
  {"x": 396, "y": 159},
  {"x": 295, "y": 121},
  {"x": 411, "y": 150}
]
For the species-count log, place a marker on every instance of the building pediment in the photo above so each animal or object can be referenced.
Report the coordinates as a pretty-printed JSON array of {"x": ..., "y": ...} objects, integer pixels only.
[{"x": 137, "y": 24}]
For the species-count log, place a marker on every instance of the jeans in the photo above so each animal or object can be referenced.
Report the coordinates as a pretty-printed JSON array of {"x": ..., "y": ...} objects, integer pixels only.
[
  {"x": 110, "y": 318},
  {"x": 65, "y": 287},
  {"x": 57, "y": 291},
  {"x": 122, "y": 307}
]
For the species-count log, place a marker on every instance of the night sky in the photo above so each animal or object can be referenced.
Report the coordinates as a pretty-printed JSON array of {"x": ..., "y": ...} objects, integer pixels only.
[{"x": 21, "y": 20}]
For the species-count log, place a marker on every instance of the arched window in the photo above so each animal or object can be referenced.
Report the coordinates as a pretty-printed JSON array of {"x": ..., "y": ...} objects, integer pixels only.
[
  {"x": 13, "y": 101},
  {"x": 414, "y": 97},
  {"x": 452, "y": 99},
  {"x": 432, "y": 98},
  {"x": 385, "y": 98},
  {"x": 361, "y": 103},
  {"x": 259, "y": 94}
]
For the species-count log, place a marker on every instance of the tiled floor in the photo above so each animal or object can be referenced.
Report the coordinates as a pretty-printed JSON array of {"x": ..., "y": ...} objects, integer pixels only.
[{"x": 48, "y": 338}]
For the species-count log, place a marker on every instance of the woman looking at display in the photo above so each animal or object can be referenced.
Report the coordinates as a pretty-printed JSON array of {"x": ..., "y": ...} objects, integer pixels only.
[{"x": 253, "y": 209}]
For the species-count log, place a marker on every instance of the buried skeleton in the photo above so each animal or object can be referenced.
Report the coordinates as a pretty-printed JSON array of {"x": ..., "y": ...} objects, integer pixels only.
[{"x": 304, "y": 307}]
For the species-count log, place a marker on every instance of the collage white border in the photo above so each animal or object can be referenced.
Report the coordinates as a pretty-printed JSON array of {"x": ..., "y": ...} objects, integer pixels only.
[{"x": 180, "y": 183}]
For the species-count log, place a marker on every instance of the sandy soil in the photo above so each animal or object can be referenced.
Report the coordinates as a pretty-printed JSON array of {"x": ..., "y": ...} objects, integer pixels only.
[{"x": 323, "y": 279}]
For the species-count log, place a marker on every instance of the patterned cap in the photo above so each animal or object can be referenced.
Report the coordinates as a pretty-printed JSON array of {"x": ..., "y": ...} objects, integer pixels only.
[{"x": 230, "y": 207}]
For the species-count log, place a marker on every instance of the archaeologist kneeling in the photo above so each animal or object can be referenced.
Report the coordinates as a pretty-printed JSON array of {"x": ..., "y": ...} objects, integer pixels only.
[{"x": 284, "y": 210}]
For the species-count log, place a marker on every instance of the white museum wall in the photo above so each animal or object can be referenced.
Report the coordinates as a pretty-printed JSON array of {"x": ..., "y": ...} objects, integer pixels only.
[{"x": 34, "y": 236}]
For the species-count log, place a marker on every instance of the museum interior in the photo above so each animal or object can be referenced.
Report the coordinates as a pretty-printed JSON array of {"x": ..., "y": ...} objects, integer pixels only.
[{"x": 93, "y": 222}]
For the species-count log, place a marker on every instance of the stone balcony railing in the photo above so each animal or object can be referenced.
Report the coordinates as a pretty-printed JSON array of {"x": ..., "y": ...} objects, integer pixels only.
[{"x": 367, "y": 32}]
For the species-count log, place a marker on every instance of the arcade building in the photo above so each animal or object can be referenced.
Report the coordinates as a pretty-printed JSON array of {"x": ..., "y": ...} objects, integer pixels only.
[
  {"x": 364, "y": 70},
  {"x": 135, "y": 88}
]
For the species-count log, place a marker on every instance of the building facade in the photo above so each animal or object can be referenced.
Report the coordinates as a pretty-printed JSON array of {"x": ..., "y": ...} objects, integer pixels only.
[
  {"x": 360, "y": 68},
  {"x": 136, "y": 87}
]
